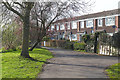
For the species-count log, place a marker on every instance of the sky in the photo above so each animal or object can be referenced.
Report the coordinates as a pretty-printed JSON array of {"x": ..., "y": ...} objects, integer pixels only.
[{"x": 104, "y": 5}]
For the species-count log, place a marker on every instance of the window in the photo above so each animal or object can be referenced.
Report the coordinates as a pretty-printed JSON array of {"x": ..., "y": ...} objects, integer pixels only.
[
  {"x": 57, "y": 27},
  {"x": 80, "y": 38},
  {"x": 48, "y": 29},
  {"x": 109, "y": 21},
  {"x": 63, "y": 35},
  {"x": 74, "y": 25},
  {"x": 92, "y": 31},
  {"x": 52, "y": 27},
  {"x": 62, "y": 27},
  {"x": 82, "y": 24},
  {"x": 100, "y": 22},
  {"x": 89, "y": 23},
  {"x": 68, "y": 25},
  {"x": 74, "y": 36}
]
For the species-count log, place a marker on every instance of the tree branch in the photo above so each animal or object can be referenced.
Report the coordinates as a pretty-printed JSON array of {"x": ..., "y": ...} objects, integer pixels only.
[
  {"x": 8, "y": 6},
  {"x": 51, "y": 21},
  {"x": 19, "y": 4}
]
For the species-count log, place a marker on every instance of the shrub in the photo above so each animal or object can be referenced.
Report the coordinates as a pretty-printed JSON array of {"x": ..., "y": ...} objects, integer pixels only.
[
  {"x": 53, "y": 43},
  {"x": 62, "y": 43},
  {"x": 81, "y": 50},
  {"x": 79, "y": 46},
  {"x": 7, "y": 50},
  {"x": 11, "y": 36},
  {"x": 46, "y": 38},
  {"x": 86, "y": 38},
  {"x": 68, "y": 45}
]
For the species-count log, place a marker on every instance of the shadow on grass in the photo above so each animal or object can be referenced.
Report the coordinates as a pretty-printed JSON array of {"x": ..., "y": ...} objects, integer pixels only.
[
  {"x": 35, "y": 51},
  {"x": 32, "y": 59},
  {"x": 40, "y": 51}
]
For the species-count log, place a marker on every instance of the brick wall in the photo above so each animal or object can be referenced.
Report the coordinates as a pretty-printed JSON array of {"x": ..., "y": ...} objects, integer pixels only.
[
  {"x": 109, "y": 29},
  {"x": 78, "y": 37}
]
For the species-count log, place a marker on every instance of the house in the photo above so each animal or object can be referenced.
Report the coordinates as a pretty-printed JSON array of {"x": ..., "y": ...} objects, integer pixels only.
[{"x": 74, "y": 28}]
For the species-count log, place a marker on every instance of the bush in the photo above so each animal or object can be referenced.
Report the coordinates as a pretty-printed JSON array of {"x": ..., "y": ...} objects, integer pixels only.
[
  {"x": 8, "y": 50},
  {"x": 53, "y": 43},
  {"x": 68, "y": 45},
  {"x": 62, "y": 43},
  {"x": 81, "y": 50},
  {"x": 79, "y": 46},
  {"x": 46, "y": 38},
  {"x": 11, "y": 36},
  {"x": 86, "y": 38}
]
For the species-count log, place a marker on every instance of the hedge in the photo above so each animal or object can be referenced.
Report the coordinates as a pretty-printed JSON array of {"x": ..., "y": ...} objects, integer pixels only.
[
  {"x": 79, "y": 46},
  {"x": 61, "y": 43}
]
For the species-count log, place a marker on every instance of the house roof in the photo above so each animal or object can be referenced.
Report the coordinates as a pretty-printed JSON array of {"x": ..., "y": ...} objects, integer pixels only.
[{"x": 99, "y": 14}]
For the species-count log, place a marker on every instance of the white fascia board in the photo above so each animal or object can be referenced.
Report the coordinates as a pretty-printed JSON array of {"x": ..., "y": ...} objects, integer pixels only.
[
  {"x": 91, "y": 18},
  {"x": 98, "y": 17}
]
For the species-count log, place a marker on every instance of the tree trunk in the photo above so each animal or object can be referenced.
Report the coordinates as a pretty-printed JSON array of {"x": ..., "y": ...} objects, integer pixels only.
[
  {"x": 34, "y": 45},
  {"x": 40, "y": 37},
  {"x": 25, "y": 44}
]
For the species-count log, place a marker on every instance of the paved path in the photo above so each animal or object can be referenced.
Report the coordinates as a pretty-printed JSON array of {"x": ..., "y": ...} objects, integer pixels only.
[{"x": 72, "y": 64}]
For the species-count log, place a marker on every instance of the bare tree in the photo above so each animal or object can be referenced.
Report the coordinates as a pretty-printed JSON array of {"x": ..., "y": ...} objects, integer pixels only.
[
  {"x": 22, "y": 9},
  {"x": 45, "y": 13}
]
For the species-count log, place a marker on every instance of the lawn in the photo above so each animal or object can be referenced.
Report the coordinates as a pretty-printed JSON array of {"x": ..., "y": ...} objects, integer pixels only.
[
  {"x": 0, "y": 50},
  {"x": 14, "y": 66},
  {"x": 114, "y": 71}
]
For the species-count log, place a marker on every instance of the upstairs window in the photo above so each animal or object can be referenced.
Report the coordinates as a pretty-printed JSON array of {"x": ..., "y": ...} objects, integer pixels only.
[
  {"x": 100, "y": 22},
  {"x": 89, "y": 23},
  {"x": 109, "y": 21},
  {"x": 74, "y": 25},
  {"x": 62, "y": 27},
  {"x": 48, "y": 29},
  {"x": 57, "y": 27},
  {"x": 52, "y": 27},
  {"x": 82, "y": 24},
  {"x": 68, "y": 25}
]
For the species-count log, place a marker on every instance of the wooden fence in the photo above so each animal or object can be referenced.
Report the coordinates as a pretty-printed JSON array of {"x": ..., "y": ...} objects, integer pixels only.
[
  {"x": 46, "y": 44},
  {"x": 108, "y": 50}
]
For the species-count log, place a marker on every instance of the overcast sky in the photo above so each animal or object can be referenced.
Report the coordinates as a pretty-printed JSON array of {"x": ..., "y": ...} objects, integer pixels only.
[{"x": 104, "y": 5}]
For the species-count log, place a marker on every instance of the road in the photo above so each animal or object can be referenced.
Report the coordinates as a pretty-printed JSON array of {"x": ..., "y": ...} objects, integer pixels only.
[{"x": 72, "y": 64}]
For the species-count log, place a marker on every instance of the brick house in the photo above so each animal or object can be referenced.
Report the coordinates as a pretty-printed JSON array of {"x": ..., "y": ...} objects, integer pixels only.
[{"x": 74, "y": 28}]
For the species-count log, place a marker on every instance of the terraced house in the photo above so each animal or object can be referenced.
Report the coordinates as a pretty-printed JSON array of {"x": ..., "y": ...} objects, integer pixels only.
[{"x": 74, "y": 28}]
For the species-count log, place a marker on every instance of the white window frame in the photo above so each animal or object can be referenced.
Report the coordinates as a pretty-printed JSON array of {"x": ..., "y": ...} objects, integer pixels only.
[
  {"x": 109, "y": 19},
  {"x": 48, "y": 29},
  {"x": 81, "y": 24},
  {"x": 74, "y": 25},
  {"x": 62, "y": 27},
  {"x": 89, "y": 23},
  {"x": 100, "y": 21},
  {"x": 68, "y": 24},
  {"x": 75, "y": 36},
  {"x": 52, "y": 27},
  {"x": 57, "y": 26}
]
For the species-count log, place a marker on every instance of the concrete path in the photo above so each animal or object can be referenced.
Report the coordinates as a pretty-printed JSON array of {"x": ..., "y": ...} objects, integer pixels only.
[{"x": 72, "y": 64}]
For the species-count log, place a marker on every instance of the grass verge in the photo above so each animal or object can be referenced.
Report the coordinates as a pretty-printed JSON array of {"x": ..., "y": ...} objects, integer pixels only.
[
  {"x": 14, "y": 66},
  {"x": 114, "y": 71}
]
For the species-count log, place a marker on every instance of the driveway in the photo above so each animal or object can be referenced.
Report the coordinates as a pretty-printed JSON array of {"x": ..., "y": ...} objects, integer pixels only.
[{"x": 72, "y": 64}]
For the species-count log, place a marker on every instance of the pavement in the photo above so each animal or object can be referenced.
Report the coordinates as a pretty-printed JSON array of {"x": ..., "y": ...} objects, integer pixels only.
[{"x": 73, "y": 64}]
